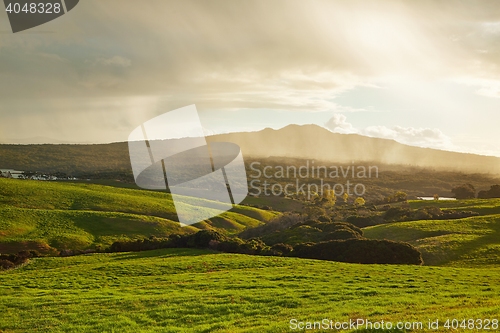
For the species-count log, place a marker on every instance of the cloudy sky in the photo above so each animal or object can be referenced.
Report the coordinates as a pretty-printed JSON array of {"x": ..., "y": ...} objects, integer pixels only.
[{"x": 425, "y": 73}]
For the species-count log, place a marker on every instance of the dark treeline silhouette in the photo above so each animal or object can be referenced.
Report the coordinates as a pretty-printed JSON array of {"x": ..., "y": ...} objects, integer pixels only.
[
  {"x": 465, "y": 191},
  {"x": 493, "y": 192}
]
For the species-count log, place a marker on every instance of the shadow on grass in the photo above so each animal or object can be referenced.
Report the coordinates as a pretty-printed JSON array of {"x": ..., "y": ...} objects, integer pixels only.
[
  {"x": 467, "y": 248},
  {"x": 175, "y": 252},
  {"x": 473, "y": 246}
]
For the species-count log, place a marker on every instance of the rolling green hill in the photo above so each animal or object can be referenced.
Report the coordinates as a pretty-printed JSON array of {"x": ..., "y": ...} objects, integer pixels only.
[
  {"x": 56, "y": 215},
  {"x": 180, "y": 290},
  {"x": 469, "y": 242}
]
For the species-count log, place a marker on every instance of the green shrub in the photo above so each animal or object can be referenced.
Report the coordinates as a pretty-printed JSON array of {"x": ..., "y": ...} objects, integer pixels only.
[
  {"x": 6, "y": 264},
  {"x": 202, "y": 239},
  {"x": 363, "y": 251}
]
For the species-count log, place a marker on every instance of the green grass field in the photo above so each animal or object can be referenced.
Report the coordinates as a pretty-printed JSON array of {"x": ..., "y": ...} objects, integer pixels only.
[
  {"x": 181, "y": 290},
  {"x": 467, "y": 242},
  {"x": 57, "y": 215},
  {"x": 186, "y": 290}
]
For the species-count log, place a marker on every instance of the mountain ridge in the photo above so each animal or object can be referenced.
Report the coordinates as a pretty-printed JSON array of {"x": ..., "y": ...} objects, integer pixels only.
[
  {"x": 318, "y": 143},
  {"x": 292, "y": 141}
]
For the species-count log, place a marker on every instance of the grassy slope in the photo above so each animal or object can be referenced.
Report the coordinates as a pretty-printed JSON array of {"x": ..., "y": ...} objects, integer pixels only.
[
  {"x": 470, "y": 242},
  {"x": 194, "y": 291},
  {"x": 73, "y": 215},
  {"x": 281, "y": 204}
]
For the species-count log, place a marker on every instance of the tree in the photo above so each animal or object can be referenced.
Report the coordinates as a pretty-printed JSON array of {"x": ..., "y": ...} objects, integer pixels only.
[
  {"x": 397, "y": 197},
  {"x": 493, "y": 192},
  {"x": 329, "y": 198},
  {"x": 400, "y": 196},
  {"x": 313, "y": 211},
  {"x": 359, "y": 202},
  {"x": 465, "y": 191}
]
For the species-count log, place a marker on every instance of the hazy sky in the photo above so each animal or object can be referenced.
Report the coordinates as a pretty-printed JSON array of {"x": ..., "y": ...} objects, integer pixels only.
[{"x": 425, "y": 73}]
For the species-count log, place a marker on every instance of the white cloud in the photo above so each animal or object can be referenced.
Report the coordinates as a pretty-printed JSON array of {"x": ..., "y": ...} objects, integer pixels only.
[
  {"x": 223, "y": 55},
  {"x": 422, "y": 137},
  {"x": 338, "y": 124},
  {"x": 216, "y": 53}
]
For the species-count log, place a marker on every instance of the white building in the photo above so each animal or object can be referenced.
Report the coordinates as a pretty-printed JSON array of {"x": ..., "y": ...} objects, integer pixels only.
[{"x": 9, "y": 173}]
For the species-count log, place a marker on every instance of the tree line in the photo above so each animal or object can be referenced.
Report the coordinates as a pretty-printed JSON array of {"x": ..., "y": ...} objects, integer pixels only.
[
  {"x": 351, "y": 250},
  {"x": 467, "y": 191}
]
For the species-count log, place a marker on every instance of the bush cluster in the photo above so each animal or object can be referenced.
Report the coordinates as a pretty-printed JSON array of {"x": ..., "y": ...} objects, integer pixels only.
[
  {"x": 353, "y": 249},
  {"x": 363, "y": 251},
  {"x": 8, "y": 261},
  {"x": 283, "y": 221},
  {"x": 365, "y": 221},
  {"x": 203, "y": 239},
  {"x": 293, "y": 228}
]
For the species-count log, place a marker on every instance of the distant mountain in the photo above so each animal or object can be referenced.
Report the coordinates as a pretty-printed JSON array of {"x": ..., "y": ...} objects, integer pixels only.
[
  {"x": 293, "y": 141},
  {"x": 318, "y": 143}
]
